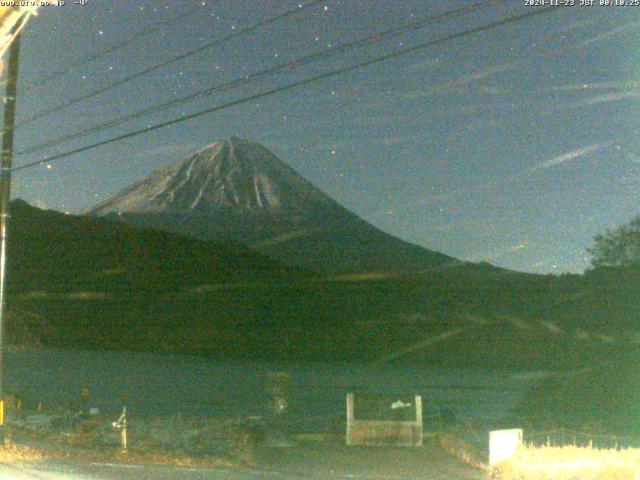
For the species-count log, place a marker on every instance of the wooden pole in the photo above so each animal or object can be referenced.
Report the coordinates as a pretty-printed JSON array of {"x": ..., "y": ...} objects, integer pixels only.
[{"x": 5, "y": 197}]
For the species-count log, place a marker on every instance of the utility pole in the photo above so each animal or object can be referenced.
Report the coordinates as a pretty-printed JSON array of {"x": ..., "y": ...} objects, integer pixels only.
[{"x": 5, "y": 197}]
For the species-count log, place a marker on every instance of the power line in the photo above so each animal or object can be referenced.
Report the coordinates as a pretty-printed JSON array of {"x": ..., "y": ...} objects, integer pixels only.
[
  {"x": 172, "y": 60},
  {"x": 299, "y": 83},
  {"x": 115, "y": 47},
  {"x": 304, "y": 60}
]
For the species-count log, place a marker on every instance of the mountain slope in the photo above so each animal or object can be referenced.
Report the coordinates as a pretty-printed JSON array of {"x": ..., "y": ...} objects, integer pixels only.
[
  {"x": 53, "y": 252},
  {"x": 237, "y": 190}
]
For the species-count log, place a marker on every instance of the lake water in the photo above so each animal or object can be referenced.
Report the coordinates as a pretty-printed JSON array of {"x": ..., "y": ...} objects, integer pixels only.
[{"x": 155, "y": 384}]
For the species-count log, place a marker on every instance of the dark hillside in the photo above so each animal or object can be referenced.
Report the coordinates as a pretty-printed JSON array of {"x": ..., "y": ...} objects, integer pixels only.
[
  {"x": 93, "y": 283},
  {"x": 53, "y": 252}
]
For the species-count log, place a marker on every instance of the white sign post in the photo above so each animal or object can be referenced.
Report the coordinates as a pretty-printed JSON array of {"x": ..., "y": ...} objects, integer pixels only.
[{"x": 503, "y": 444}]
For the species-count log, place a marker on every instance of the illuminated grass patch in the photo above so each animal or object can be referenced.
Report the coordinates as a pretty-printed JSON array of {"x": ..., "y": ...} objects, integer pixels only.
[{"x": 569, "y": 463}]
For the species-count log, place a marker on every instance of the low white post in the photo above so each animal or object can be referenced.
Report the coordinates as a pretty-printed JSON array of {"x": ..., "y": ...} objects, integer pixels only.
[
  {"x": 124, "y": 429},
  {"x": 121, "y": 424},
  {"x": 503, "y": 444}
]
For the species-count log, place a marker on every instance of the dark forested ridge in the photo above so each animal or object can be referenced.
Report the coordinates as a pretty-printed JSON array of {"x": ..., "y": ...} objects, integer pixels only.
[{"x": 96, "y": 284}]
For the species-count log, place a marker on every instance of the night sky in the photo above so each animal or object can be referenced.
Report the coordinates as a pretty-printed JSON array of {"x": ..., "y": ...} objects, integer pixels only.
[{"x": 514, "y": 146}]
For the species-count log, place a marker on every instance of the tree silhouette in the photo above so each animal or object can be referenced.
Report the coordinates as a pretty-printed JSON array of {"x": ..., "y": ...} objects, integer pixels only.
[{"x": 617, "y": 248}]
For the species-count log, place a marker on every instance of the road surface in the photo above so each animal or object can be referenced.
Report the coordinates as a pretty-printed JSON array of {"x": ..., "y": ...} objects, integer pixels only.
[{"x": 110, "y": 471}]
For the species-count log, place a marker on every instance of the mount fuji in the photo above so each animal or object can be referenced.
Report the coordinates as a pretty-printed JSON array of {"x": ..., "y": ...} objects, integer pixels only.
[{"x": 237, "y": 190}]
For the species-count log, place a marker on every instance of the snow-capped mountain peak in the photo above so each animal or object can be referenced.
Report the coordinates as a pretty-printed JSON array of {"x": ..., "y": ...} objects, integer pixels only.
[
  {"x": 237, "y": 190},
  {"x": 228, "y": 174}
]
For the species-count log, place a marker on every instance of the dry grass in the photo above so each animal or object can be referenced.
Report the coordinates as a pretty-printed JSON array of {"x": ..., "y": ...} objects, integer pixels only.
[
  {"x": 569, "y": 463},
  {"x": 458, "y": 448},
  {"x": 153, "y": 442},
  {"x": 14, "y": 453}
]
